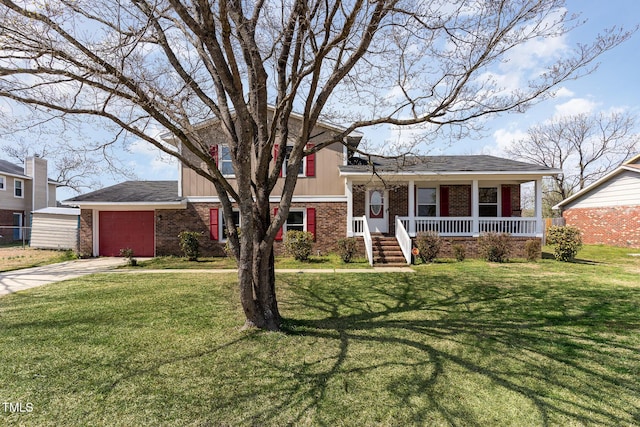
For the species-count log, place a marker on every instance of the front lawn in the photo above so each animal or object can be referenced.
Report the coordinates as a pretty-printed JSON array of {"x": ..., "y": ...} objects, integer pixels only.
[{"x": 467, "y": 343}]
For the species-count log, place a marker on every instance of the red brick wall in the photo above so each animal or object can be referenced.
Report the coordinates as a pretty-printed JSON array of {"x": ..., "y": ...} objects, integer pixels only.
[
  {"x": 398, "y": 205},
  {"x": 615, "y": 226},
  {"x": 471, "y": 246},
  {"x": 86, "y": 232},
  {"x": 331, "y": 225},
  {"x": 459, "y": 200}
]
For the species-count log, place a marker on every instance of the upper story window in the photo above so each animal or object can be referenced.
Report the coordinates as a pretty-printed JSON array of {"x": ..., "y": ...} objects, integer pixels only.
[
  {"x": 427, "y": 202},
  {"x": 307, "y": 166},
  {"x": 18, "y": 188},
  {"x": 488, "y": 201},
  {"x": 285, "y": 164},
  {"x": 3, "y": 183},
  {"x": 222, "y": 157}
]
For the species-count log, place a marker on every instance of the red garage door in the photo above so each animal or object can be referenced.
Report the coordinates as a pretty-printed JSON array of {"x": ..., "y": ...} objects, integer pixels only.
[{"x": 131, "y": 229}]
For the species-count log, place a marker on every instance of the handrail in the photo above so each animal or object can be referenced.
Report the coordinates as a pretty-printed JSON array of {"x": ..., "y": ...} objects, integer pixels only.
[
  {"x": 463, "y": 226},
  {"x": 403, "y": 240},
  {"x": 368, "y": 242}
]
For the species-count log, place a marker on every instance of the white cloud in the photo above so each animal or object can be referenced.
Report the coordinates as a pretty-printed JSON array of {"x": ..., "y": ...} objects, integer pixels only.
[
  {"x": 563, "y": 92},
  {"x": 575, "y": 106},
  {"x": 504, "y": 139},
  {"x": 151, "y": 163}
]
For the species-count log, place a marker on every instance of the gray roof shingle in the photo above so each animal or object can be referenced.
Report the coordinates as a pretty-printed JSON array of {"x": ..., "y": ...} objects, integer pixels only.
[
  {"x": 443, "y": 164},
  {"x": 133, "y": 191},
  {"x": 8, "y": 167}
]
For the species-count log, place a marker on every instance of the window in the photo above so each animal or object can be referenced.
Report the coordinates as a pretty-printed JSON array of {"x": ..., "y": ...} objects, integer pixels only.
[
  {"x": 427, "y": 202},
  {"x": 18, "y": 188},
  {"x": 299, "y": 220},
  {"x": 226, "y": 165},
  {"x": 285, "y": 164},
  {"x": 236, "y": 221},
  {"x": 3, "y": 185},
  {"x": 295, "y": 221},
  {"x": 488, "y": 201}
]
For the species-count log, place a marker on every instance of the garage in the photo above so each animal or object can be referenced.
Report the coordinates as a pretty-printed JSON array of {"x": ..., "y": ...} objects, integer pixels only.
[{"x": 126, "y": 229}]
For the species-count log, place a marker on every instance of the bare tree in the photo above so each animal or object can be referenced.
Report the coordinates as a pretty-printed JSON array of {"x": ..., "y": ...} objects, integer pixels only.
[
  {"x": 585, "y": 146},
  {"x": 173, "y": 63}
]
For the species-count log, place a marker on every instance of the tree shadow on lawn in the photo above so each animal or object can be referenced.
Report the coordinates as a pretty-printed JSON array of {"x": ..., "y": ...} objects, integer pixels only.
[{"x": 558, "y": 356}]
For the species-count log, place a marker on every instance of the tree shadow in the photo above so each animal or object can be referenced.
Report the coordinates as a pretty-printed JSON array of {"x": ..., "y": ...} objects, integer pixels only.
[{"x": 554, "y": 352}]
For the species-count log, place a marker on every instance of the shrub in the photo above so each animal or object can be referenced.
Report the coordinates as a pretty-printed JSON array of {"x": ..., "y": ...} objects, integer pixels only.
[
  {"x": 428, "y": 243},
  {"x": 347, "y": 248},
  {"x": 190, "y": 244},
  {"x": 567, "y": 241},
  {"x": 298, "y": 244},
  {"x": 495, "y": 247},
  {"x": 128, "y": 254},
  {"x": 532, "y": 250},
  {"x": 459, "y": 252}
]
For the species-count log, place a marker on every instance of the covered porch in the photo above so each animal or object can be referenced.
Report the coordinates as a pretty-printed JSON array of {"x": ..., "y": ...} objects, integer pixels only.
[{"x": 452, "y": 209}]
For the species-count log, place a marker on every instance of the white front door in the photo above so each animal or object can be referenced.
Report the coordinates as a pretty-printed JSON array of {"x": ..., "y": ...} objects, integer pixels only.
[{"x": 378, "y": 210}]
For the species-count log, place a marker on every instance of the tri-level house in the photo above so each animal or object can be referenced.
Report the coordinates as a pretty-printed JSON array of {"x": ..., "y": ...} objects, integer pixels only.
[
  {"x": 383, "y": 202},
  {"x": 23, "y": 189}
]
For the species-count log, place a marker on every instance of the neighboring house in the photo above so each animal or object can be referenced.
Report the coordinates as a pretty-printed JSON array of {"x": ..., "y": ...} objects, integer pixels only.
[
  {"x": 608, "y": 211},
  {"x": 337, "y": 195},
  {"x": 23, "y": 189}
]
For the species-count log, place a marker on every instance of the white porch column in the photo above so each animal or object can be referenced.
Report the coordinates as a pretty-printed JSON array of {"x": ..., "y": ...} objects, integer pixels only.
[
  {"x": 538, "y": 207},
  {"x": 475, "y": 207},
  {"x": 412, "y": 208},
  {"x": 348, "y": 189}
]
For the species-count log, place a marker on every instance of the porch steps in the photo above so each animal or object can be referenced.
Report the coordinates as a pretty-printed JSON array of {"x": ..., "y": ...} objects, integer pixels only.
[{"x": 386, "y": 251}]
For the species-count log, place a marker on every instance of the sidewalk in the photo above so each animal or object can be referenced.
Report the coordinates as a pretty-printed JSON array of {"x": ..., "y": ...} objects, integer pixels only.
[
  {"x": 278, "y": 270},
  {"x": 18, "y": 280}
]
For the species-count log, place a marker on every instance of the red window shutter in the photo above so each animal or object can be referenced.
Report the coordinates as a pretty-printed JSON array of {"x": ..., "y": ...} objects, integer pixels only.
[
  {"x": 311, "y": 221},
  {"x": 469, "y": 208},
  {"x": 311, "y": 162},
  {"x": 213, "y": 151},
  {"x": 444, "y": 201},
  {"x": 506, "y": 201},
  {"x": 279, "y": 233},
  {"x": 213, "y": 223}
]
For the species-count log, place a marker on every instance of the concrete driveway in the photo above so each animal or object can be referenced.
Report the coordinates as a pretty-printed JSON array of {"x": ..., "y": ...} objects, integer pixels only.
[{"x": 18, "y": 280}]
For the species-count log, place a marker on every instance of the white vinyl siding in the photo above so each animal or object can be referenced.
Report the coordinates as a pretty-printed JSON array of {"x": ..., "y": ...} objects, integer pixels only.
[
  {"x": 621, "y": 190},
  {"x": 52, "y": 231}
]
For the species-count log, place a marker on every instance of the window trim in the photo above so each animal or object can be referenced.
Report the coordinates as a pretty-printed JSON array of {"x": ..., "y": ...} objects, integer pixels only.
[
  {"x": 221, "y": 224},
  {"x": 496, "y": 204},
  {"x": 3, "y": 181},
  {"x": 15, "y": 187},
  {"x": 222, "y": 160},
  {"x": 304, "y": 220},
  {"x": 285, "y": 163},
  {"x": 435, "y": 204}
]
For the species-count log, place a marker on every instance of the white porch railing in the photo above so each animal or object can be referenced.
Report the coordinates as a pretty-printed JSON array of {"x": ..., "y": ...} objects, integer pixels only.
[
  {"x": 358, "y": 225},
  {"x": 464, "y": 226},
  {"x": 403, "y": 240},
  {"x": 513, "y": 226},
  {"x": 368, "y": 242}
]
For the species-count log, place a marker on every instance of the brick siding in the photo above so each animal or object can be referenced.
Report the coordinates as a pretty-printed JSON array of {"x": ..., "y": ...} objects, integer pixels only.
[
  {"x": 86, "y": 233},
  {"x": 459, "y": 200},
  {"x": 614, "y": 226},
  {"x": 331, "y": 225}
]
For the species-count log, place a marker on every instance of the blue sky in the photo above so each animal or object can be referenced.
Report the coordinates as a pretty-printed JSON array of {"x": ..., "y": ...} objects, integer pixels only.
[{"x": 614, "y": 85}]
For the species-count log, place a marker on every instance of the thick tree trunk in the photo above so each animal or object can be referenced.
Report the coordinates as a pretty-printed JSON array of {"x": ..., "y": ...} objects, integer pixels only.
[{"x": 258, "y": 295}]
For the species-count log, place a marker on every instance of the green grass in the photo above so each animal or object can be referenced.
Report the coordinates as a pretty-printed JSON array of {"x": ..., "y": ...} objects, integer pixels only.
[
  {"x": 330, "y": 261},
  {"x": 468, "y": 343}
]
